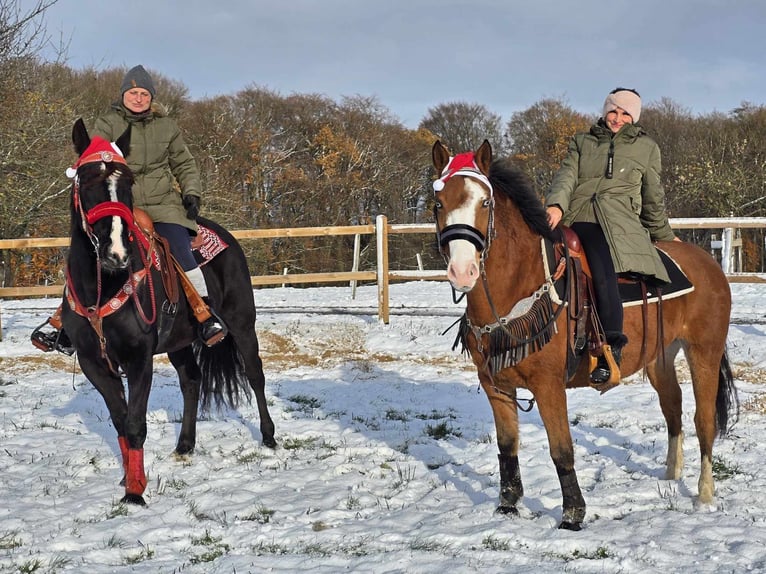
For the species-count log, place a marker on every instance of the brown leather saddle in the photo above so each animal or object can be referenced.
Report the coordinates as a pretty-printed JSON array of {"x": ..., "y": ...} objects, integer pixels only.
[
  {"x": 205, "y": 244},
  {"x": 584, "y": 331}
]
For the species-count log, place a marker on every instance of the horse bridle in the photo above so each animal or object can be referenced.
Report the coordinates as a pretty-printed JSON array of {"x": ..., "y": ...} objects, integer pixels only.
[
  {"x": 97, "y": 312},
  {"x": 477, "y": 239},
  {"x": 463, "y": 230}
]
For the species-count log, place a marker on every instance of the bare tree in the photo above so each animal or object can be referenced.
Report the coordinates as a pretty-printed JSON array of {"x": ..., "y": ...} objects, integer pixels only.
[{"x": 462, "y": 126}]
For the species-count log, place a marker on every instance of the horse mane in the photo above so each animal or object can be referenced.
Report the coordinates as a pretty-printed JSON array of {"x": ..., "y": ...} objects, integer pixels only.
[{"x": 516, "y": 186}]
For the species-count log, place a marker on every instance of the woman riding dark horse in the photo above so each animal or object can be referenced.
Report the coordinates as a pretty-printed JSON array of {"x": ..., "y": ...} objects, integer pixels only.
[
  {"x": 158, "y": 155},
  {"x": 123, "y": 305}
]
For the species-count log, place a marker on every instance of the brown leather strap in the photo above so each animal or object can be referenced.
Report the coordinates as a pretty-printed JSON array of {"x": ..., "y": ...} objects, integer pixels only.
[
  {"x": 198, "y": 305},
  {"x": 55, "y": 319}
]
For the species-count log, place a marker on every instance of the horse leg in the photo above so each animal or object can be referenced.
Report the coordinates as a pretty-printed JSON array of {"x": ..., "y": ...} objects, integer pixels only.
[
  {"x": 189, "y": 377},
  {"x": 111, "y": 389},
  {"x": 506, "y": 418},
  {"x": 247, "y": 343},
  {"x": 139, "y": 375},
  {"x": 704, "y": 366},
  {"x": 552, "y": 405},
  {"x": 662, "y": 376}
]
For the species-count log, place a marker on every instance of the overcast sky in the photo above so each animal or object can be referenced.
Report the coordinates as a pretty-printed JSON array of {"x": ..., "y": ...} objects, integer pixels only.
[{"x": 706, "y": 55}]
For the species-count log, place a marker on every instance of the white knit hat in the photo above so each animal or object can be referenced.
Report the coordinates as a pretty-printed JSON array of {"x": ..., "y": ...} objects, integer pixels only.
[{"x": 626, "y": 99}]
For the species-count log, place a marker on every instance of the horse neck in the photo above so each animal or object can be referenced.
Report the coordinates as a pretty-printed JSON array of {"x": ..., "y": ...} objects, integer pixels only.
[{"x": 513, "y": 266}]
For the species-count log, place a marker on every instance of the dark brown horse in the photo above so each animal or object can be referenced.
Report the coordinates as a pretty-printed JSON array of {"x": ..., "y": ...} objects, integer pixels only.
[{"x": 491, "y": 226}]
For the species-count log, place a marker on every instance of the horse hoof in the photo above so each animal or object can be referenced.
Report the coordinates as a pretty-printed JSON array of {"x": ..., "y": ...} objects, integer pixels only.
[
  {"x": 184, "y": 449},
  {"x": 507, "y": 510},
  {"x": 573, "y": 526},
  {"x": 136, "y": 499},
  {"x": 270, "y": 442}
]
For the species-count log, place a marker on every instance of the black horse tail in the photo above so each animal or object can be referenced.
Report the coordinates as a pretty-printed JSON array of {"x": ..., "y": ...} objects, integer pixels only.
[
  {"x": 224, "y": 381},
  {"x": 727, "y": 399}
]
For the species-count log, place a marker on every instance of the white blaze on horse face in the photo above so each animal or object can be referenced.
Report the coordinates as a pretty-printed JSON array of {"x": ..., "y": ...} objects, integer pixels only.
[
  {"x": 463, "y": 266},
  {"x": 119, "y": 251}
]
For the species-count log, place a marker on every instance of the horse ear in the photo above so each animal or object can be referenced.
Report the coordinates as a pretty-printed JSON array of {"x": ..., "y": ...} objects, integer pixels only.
[
  {"x": 483, "y": 156},
  {"x": 440, "y": 156},
  {"x": 123, "y": 142},
  {"x": 80, "y": 137}
]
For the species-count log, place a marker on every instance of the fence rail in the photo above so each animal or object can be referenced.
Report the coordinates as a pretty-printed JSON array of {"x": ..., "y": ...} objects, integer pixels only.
[{"x": 382, "y": 275}]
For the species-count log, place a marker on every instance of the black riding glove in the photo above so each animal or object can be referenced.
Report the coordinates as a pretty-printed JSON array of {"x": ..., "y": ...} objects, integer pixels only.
[{"x": 191, "y": 204}]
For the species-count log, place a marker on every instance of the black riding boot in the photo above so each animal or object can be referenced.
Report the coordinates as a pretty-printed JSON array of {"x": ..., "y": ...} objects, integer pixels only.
[
  {"x": 212, "y": 330},
  {"x": 52, "y": 341},
  {"x": 602, "y": 372}
]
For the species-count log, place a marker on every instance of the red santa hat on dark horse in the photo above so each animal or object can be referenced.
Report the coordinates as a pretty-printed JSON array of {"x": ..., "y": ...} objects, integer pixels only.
[{"x": 98, "y": 150}]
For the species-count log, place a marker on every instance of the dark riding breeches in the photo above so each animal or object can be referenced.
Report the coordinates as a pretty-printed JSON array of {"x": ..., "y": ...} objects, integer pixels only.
[
  {"x": 179, "y": 239},
  {"x": 608, "y": 302}
]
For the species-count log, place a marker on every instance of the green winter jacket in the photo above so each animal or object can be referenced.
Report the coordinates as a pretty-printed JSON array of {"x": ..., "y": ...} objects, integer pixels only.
[
  {"x": 629, "y": 206},
  {"x": 158, "y": 158}
]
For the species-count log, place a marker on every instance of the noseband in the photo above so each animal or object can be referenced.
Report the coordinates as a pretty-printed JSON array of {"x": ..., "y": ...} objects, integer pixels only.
[{"x": 463, "y": 230}]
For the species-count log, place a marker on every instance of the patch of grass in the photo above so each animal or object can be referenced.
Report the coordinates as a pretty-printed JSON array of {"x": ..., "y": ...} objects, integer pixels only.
[
  {"x": 353, "y": 503},
  {"x": 145, "y": 553},
  {"x": 395, "y": 415},
  {"x": 442, "y": 431},
  {"x": 316, "y": 549},
  {"x": 118, "y": 509},
  {"x": 722, "y": 470},
  {"x": 755, "y": 405},
  {"x": 176, "y": 484},
  {"x": 403, "y": 477},
  {"x": 261, "y": 515},
  {"x": 435, "y": 415},
  {"x": 303, "y": 404},
  {"x": 269, "y": 548},
  {"x": 491, "y": 542},
  {"x": 114, "y": 542},
  {"x": 215, "y": 549},
  {"x": 9, "y": 540},
  {"x": 370, "y": 423},
  {"x": 252, "y": 456},
  {"x": 30, "y": 566},
  {"x": 423, "y": 545},
  {"x": 299, "y": 443},
  {"x": 599, "y": 554}
]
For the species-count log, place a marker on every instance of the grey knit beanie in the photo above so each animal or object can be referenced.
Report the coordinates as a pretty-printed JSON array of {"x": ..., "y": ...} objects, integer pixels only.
[{"x": 137, "y": 77}]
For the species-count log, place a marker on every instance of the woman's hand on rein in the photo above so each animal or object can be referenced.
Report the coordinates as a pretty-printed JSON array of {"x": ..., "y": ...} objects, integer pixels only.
[{"x": 554, "y": 215}]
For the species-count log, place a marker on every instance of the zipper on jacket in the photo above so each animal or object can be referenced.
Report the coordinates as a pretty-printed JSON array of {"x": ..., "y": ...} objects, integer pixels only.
[{"x": 610, "y": 161}]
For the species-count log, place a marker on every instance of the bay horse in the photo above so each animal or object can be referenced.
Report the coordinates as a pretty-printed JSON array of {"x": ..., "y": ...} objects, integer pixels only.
[
  {"x": 490, "y": 227},
  {"x": 118, "y": 312}
]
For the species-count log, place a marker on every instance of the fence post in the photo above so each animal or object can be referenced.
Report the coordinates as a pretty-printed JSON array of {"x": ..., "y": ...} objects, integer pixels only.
[
  {"x": 355, "y": 264},
  {"x": 726, "y": 251},
  {"x": 381, "y": 237}
]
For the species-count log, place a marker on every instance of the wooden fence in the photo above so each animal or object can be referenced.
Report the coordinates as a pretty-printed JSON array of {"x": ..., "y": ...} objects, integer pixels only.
[{"x": 382, "y": 275}]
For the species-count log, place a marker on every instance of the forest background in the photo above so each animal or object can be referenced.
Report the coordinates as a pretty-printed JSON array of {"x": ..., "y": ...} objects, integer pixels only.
[{"x": 269, "y": 160}]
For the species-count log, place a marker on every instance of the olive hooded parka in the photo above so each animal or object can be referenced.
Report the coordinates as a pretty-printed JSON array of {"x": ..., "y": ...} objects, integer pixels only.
[
  {"x": 158, "y": 158},
  {"x": 629, "y": 205}
]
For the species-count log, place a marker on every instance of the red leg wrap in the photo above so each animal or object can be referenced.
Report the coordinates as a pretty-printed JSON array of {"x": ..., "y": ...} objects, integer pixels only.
[{"x": 135, "y": 479}]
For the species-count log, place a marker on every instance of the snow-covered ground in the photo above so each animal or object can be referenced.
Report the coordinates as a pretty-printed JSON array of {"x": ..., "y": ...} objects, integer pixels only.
[{"x": 386, "y": 460}]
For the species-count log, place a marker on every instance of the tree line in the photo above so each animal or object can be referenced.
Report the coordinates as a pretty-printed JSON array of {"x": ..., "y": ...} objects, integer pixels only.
[{"x": 268, "y": 160}]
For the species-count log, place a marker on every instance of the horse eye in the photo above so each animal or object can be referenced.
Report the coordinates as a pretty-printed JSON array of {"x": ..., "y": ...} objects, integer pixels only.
[
  {"x": 486, "y": 203},
  {"x": 439, "y": 205}
]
